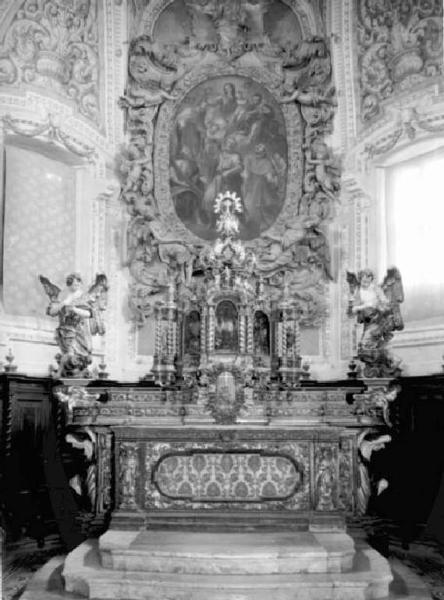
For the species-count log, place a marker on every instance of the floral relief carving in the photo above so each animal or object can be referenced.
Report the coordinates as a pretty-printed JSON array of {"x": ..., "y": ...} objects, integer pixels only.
[
  {"x": 399, "y": 46},
  {"x": 54, "y": 44}
]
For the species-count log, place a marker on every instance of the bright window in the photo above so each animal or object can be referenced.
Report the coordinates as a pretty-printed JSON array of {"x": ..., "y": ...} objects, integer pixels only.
[{"x": 415, "y": 234}]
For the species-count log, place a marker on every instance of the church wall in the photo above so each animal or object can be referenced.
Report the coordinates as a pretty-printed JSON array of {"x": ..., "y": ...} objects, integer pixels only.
[
  {"x": 62, "y": 70},
  {"x": 389, "y": 67}
]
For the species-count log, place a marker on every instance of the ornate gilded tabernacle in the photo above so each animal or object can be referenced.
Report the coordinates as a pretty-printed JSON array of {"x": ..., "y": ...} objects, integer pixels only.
[{"x": 228, "y": 324}]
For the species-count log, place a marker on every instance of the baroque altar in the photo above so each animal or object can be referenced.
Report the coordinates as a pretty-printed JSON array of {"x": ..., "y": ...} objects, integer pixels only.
[
  {"x": 226, "y": 473},
  {"x": 227, "y": 437},
  {"x": 203, "y": 498},
  {"x": 228, "y": 419}
]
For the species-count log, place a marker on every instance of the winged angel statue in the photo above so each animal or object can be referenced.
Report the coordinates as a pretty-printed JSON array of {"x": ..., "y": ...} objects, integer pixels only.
[
  {"x": 377, "y": 308},
  {"x": 80, "y": 316}
]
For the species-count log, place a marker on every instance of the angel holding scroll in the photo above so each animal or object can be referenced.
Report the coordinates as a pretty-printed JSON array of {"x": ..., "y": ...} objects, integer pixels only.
[
  {"x": 80, "y": 316},
  {"x": 377, "y": 308}
]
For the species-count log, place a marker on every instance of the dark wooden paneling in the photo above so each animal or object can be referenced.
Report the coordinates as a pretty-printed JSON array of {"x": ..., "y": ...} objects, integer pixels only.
[{"x": 35, "y": 496}]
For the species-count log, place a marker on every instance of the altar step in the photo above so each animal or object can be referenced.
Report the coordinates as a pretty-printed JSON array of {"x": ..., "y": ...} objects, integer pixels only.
[
  {"x": 84, "y": 575},
  {"x": 202, "y": 566},
  {"x": 48, "y": 584},
  {"x": 233, "y": 553}
]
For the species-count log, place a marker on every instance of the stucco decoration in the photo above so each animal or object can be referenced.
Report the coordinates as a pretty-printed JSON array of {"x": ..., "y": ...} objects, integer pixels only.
[
  {"x": 234, "y": 95},
  {"x": 53, "y": 44},
  {"x": 399, "y": 47}
]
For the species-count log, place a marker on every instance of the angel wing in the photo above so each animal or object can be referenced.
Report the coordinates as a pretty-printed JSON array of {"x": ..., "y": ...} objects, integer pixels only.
[
  {"x": 99, "y": 286},
  {"x": 367, "y": 447},
  {"x": 352, "y": 281},
  {"x": 97, "y": 294},
  {"x": 51, "y": 289},
  {"x": 87, "y": 445},
  {"x": 394, "y": 292}
]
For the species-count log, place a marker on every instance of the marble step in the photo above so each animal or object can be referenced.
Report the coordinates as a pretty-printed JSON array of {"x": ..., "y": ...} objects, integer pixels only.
[
  {"x": 47, "y": 584},
  {"x": 234, "y": 553},
  {"x": 84, "y": 575}
]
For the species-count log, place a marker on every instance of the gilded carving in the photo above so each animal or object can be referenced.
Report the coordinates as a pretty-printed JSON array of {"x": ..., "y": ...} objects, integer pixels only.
[
  {"x": 225, "y": 397},
  {"x": 326, "y": 477},
  {"x": 375, "y": 403},
  {"x": 105, "y": 471},
  {"x": 399, "y": 45},
  {"x": 128, "y": 472},
  {"x": 52, "y": 43},
  {"x": 232, "y": 103},
  {"x": 345, "y": 477}
]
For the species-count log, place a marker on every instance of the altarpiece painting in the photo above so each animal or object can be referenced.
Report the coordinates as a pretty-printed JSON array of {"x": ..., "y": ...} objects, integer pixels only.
[{"x": 228, "y": 135}]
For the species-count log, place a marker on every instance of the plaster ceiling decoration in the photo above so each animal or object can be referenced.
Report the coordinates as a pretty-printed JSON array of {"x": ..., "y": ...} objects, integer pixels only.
[
  {"x": 54, "y": 45},
  {"x": 399, "y": 48}
]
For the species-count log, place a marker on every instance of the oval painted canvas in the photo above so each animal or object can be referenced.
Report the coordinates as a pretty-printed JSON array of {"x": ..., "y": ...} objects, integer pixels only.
[{"x": 228, "y": 134}]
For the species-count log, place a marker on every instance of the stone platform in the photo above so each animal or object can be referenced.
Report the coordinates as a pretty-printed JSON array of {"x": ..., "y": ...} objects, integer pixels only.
[{"x": 201, "y": 566}]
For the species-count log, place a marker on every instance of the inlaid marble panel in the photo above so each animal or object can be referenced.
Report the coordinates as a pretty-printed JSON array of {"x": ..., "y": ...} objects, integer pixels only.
[
  {"x": 265, "y": 476},
  {"x": 205, "y": 476}
]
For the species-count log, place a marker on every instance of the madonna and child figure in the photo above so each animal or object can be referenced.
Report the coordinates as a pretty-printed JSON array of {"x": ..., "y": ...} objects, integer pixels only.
[
  {"x": 377, "y": 309},
  {"x": 80, "y": 316},
  {"x": 229, "y": 134}
]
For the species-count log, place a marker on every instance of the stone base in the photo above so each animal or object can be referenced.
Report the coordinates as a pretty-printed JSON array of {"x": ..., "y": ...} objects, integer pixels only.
[
  {"x": 48, "y": 584},
  {"x": 202, "y": 566},
  {"x": 226, "y": 553},
  {"x": 178, "y": 566}
]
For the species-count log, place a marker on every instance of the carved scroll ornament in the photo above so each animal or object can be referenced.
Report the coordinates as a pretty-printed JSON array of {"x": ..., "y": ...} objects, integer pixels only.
[
  {"x": 399, "y": 45},
  {"x": 53, "y": 43}
]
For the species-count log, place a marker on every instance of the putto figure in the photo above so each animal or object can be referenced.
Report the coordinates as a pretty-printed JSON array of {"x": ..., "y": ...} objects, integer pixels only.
[
  {"x": 377, "y": 308},
  {"x": 80, "y": 316}
]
